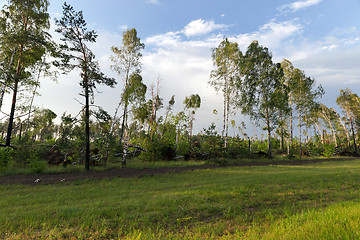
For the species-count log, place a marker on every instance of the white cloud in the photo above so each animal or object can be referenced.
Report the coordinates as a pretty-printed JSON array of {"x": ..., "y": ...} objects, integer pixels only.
[
  {"x": 167, "y": 39},
  {"x": 272, "y": 35},
  {"x": 202, "y": 27},
  {"x": 185, "y": 65},
  {"x": 299, "y": 5}
]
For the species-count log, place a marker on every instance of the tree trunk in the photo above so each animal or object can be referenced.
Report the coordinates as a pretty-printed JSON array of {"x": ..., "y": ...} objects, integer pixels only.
[
  {"x": 125, "y": 149},
  {"x": 227, "y": 119},
  {"x": 87, "y": 127},
  {"x": 12, "y": 114},
  {"x": 269, "y": 133},
  {"x": 352, "y": 129},
  {"x": 224, "y": 117},
  {"x": 291, "y": 133},
  {"x": 269, "y": 138},
  {"x": 320, "y": 132},
  {"x": 343, "y": 124},
  {"x": 300, "y": 133},
  {"x": 123, "y": 125},
  {"x": 124, "y": 137},
  {"x": 3, "y": 89}
]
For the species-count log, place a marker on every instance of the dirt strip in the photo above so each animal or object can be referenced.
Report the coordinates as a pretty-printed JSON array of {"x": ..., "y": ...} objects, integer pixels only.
[{"x": 40, "y": 179}]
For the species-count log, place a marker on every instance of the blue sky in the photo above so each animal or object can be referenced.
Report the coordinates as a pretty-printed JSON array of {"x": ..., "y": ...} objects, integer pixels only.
[{"x": 321, "y": 37}]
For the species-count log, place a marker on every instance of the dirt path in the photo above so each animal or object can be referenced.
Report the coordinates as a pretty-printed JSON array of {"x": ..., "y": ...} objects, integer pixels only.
[{"x": 136, "y": 173}]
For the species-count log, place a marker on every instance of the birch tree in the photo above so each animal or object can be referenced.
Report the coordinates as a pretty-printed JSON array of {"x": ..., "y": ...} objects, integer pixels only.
[
  {"x": 226, "y": 58},
  {"x": 304, "y": 96},
  {"x": 126, "y": 62},
  {"x": 348, "y": 102},
  {"x": 262, "y": 93}
]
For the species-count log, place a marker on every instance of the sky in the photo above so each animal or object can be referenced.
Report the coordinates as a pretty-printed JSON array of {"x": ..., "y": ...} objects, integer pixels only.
[{"x": 320, "y": 37}]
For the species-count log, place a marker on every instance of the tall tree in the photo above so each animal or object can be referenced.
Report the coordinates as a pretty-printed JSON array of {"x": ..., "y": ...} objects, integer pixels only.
[
  {"x": 23, "y": 40},
  {"x": 262, "y": 92},
  {"x": 134, "y": 93},
  {"x": 302, "y": 96},
  {"x": 226, "y": 58},
  {"x": 126, "y": 63},
  {"x": 75, "y": 54},
  {"x": 288, "y": 70},
  {"x": 329, "y": 116},
  {"x": 348, "y": 101}
]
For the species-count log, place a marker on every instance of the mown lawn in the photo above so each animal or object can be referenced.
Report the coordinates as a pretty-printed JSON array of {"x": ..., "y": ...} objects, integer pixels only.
[{"x": 318, "y": 201}]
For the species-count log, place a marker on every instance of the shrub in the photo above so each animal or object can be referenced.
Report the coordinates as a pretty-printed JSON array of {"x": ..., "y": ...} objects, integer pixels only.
[
  {"x": 6, "y": 155},
  {"x": 329, "y": 150}
]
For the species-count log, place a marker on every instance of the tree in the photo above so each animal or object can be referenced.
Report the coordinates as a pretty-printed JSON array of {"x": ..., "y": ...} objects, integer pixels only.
[
  {"x": 329, "y": 116},
  {"x": 43, "y": 125},
  {"x": 133, "y": 93},
  {"x": 226, "y": 58},
  {"x": 192, "y": 102},
  {"x": 76, "y": 55},
  {"x": 304, "y": 95},
  {"x": 350, "y": 105},
  {"x": 169, "y": 107},
  {"x": 288, "y": 70},
  {"x": 23, "y": 40},
  {"x": 262, "y": 93},
  {"x": 156, "y": 104},
  {"x": 126, "y": 63}
]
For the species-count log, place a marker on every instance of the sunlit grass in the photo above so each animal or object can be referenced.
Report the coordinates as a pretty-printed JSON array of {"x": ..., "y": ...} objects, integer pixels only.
[
  {"x": 227, "y": 203},
  {"x": 338, "y": 221}
]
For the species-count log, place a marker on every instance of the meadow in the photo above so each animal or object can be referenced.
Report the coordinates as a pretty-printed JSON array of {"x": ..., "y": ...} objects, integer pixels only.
[{"x": 314, "y": 201}]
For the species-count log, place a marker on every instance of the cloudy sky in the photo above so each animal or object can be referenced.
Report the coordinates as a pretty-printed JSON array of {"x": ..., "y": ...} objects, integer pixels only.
[{"x": 321, "y": 37}]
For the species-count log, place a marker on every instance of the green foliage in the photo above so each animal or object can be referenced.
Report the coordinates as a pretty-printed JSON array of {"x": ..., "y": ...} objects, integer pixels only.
[
  {"x": 75, "y": 54},
  {"x": 26, "y": 152},
  {"x": 329, "y": 150},
  {"x": 6, "y": 155},
  {"x": 226, "y": 59},
  {"x": 24, "y": 41},
  {"x": 158, "y": 149}
]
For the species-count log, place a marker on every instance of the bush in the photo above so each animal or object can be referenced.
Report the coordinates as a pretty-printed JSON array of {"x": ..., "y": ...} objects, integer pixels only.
[
  {"x": 6, "y": 155},
  {"x": 329, "y": 150}
]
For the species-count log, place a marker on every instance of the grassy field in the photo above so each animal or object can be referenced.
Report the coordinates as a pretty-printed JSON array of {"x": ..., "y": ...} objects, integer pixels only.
[{"x": 317, "y": 201}]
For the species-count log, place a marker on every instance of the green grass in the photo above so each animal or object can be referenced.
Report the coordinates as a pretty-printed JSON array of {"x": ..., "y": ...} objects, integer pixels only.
[
  {"x": 273, "y": 202},
  {"x": 14, "y": 170}
]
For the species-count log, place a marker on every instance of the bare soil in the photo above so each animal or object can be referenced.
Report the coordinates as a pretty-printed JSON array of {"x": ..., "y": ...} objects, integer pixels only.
[{"x": 41, "y": 179}]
